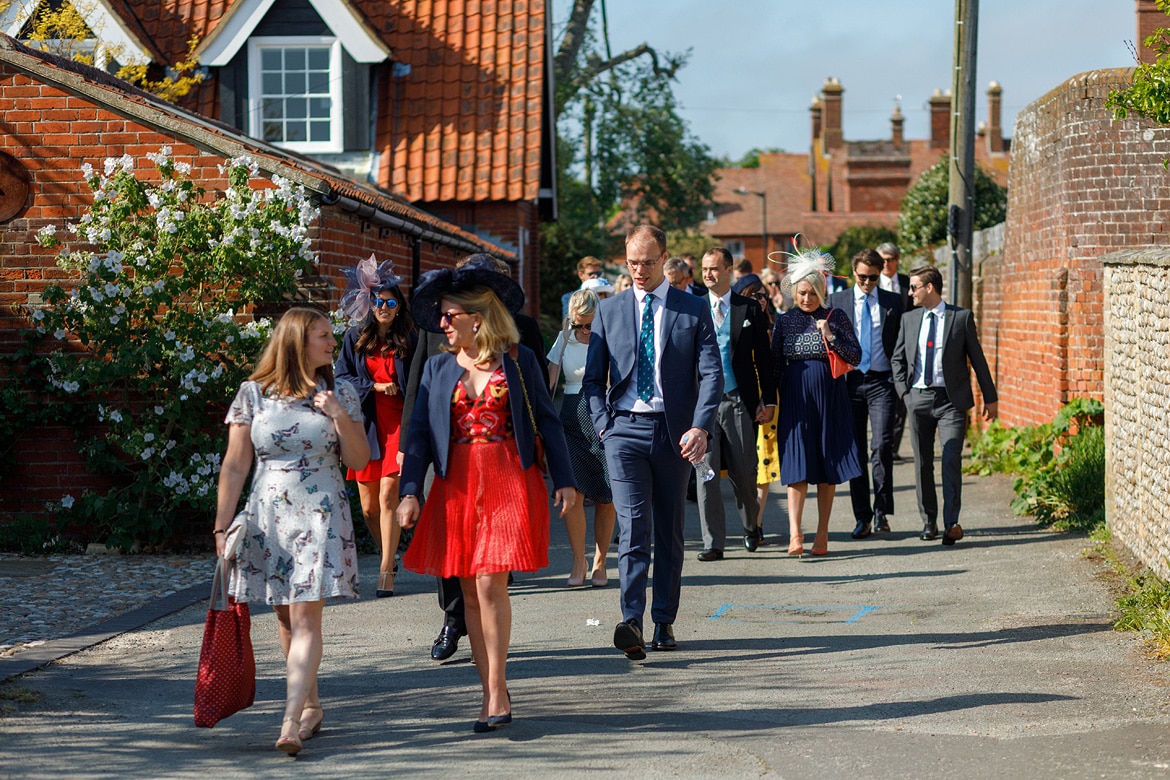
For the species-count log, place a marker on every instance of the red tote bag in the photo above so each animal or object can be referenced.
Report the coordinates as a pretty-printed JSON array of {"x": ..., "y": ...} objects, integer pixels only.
[
  {"x": 837, "y": 365},
  {"x": 226, "y": 682}
]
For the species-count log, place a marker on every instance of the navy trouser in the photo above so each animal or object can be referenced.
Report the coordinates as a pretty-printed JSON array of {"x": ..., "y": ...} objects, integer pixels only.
[
  {"x": 649, "y": 481},
  {"x": 873, "y": 399}
]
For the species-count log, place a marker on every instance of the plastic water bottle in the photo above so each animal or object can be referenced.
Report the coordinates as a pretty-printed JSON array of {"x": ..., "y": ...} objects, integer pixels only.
[{"x": 703, "y": 470}]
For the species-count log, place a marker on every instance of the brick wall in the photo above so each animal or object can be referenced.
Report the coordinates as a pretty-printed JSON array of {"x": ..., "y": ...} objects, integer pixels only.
[
  {"x": 52, "y": 134},
  {"x": 1080, "y": 186}
]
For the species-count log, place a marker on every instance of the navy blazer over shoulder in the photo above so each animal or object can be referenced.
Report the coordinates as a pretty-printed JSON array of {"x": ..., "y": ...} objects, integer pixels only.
[
  {"x": 352, "y": 366},
  {"x": 429, "y": 439}
]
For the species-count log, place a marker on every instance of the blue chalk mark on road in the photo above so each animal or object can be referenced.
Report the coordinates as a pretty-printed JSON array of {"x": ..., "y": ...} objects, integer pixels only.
[{"x": 755, "y": 613}]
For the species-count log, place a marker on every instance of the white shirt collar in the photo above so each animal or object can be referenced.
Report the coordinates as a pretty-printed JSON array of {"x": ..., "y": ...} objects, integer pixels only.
[
  {"x": 712, "y": 298},
  {"x": 659, "y": 292},
  {"x": 858, "y": 294}
]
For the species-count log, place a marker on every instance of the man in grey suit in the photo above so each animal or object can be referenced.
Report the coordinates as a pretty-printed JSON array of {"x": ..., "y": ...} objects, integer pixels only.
[
  {"x": 935, "y": 344},
  {"x": 749, "y": 397},
  {"x": 876, "y": 316},
  {"x": 653, "y": 380}
]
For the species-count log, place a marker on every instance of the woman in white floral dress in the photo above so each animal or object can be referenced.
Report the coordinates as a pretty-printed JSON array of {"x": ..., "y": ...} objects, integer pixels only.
[{"x": 298, "y": 547}]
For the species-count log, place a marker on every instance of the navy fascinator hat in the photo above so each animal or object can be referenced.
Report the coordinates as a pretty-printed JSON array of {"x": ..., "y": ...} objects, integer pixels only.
[{"x": 478, "y": 271}]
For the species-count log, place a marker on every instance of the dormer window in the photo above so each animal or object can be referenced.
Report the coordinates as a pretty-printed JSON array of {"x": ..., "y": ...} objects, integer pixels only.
[{"x": 294, "y": 88}]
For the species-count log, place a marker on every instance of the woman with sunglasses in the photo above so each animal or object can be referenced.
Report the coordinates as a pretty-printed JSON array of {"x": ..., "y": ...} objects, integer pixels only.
[
  {"x": 479, "y": 411},
  {"x": 375, "y": 357},
  {"x": 567, "y": 358}
]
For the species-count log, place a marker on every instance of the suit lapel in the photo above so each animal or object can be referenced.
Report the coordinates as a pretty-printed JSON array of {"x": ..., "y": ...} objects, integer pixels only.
[
  {"x": 948, "y": 326},
  {"x": 669, "y": 315},
  {"x": 738, "y": 313}
]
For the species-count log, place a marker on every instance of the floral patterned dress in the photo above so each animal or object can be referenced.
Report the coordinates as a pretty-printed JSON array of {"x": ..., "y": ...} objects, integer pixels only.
[{"x": 298, "y": 543}]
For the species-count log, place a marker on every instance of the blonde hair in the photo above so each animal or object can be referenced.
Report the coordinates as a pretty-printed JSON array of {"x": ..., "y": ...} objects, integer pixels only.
[
  {"x": 497, "y": 332},
  {"x": 582, "y": 303},
  {"x": 282, "y": 367}
]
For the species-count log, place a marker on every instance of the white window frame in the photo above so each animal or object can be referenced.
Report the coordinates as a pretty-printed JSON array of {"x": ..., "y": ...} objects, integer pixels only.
[
  {"x": 735, "y": 247},
  {"x": 256, "y": 46}
]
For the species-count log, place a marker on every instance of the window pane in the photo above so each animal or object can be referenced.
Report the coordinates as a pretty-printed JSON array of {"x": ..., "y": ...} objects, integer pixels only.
[
  {"x": 270, "y": 59},
  {"x": 319, "y": 108},
  {"x": 319, "y": 131},
  {"x": 294, "y": 59},
  {"x": 295, "y": 108},
  {"x": 294, "y": 83},
  {"x": 295, "y": 131},
  {"x": 273, "y": 109},
  {"x": 271, "y": 84},
  {"x": 318, "y": 59},
  {"x": 318, "y": 83},
  {"x": 273, "y": 131}
]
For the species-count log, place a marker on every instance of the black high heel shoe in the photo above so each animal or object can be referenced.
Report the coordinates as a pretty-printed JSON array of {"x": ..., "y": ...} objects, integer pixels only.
[{"x": 385, "y": 584}]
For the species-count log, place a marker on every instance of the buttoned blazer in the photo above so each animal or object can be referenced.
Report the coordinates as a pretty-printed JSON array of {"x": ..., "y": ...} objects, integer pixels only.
[
  {"x": 889, "y": 311},
  {"x": 352, "y": 366},
  {"x": 751, "y": 353},
  {"x": 960, "y": 346},
  {"x": 430, "y": 432},
  {"x": 692, "y": 371}
]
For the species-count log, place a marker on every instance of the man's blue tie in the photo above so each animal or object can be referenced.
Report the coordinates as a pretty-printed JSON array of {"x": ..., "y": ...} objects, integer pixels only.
[
  {"x": 646, "y": 351},
  {"x": 866, "y": 335},
  {"x": 931, "y": 333}
]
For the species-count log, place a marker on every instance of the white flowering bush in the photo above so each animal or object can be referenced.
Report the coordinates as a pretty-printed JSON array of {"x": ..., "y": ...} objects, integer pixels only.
[{"x": 147, "y": 336}]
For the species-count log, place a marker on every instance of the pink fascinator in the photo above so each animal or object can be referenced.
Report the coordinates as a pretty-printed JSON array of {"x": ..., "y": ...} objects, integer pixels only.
[{"x": 366, "y": 279}]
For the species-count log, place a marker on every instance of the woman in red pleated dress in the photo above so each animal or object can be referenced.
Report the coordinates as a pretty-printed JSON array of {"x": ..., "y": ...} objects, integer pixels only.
[
  {"x": 480, "y": 405},
  {"x": 375, "y": 356}
]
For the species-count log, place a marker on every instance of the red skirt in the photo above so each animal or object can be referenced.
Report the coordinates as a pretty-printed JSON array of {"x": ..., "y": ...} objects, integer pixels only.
[
  {"x": 388, "y": 425},
  {"x": 487, "y": 515}
]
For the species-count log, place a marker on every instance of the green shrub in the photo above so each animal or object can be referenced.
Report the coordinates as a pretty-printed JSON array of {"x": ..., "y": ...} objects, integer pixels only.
[{"x": 30, "y": 535}]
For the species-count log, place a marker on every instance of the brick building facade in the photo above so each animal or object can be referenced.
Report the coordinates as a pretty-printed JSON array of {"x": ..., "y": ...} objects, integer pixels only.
[{"x": 1081, "y": 186}]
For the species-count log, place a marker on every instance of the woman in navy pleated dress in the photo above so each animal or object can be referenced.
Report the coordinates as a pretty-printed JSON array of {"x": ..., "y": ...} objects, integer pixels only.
[{"x": 816, "y": 421}]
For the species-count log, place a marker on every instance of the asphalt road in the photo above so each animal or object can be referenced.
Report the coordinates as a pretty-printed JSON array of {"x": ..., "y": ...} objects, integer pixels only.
[{"x": 890, "y": 658}]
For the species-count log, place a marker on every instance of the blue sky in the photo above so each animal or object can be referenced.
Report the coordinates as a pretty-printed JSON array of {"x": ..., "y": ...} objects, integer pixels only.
[{"x": 756, "y": 64}]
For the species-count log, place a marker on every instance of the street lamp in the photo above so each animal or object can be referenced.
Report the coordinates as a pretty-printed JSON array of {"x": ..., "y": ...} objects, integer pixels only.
[{"x": 763, "y": 196}]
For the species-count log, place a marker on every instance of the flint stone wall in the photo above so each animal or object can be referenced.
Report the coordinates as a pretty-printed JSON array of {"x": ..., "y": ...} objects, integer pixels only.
[{"x": 1137, "y": 402}]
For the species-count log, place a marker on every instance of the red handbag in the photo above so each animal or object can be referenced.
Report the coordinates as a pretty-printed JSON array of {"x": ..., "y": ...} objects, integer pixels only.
[
  {"x": 837, "y": 364},
  {"x": 226, "y": 682}
]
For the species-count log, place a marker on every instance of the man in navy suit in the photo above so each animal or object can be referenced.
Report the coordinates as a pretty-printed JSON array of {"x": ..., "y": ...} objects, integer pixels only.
[
  {"x": 876, "y": 316},
  {"x": 653, "y": 381},
  {"x": 935, "y": 345}
]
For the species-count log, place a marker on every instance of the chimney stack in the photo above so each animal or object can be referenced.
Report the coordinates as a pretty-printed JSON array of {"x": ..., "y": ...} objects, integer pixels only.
[
  {"x": 896, "y": 121},
  {"x": 1149, "y": 18},
  {"x": 814, "y": 113},
  {"x": 834, "y": 137},
  {"x": 994, "y": 127},
  {"x": 940, "y": 120}
]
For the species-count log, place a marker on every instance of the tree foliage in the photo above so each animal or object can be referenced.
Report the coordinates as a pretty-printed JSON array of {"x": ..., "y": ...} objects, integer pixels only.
[
  {"x": 751, "y": 158},
  {"x": 621, "y": 145},
  {"x": 1149, "y": 93},
  {"x": 143, "y": 338},
  {"x": 922, "y": 222},
  {"x": 62, "y": 30},
  {"x": 853, "y": 239}
]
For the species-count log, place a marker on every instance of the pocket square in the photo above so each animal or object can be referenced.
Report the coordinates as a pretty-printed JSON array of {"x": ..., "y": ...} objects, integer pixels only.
[{"x": 746, "y": 324}]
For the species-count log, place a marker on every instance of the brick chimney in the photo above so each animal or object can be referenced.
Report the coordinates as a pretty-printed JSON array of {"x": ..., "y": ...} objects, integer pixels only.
[
  {"x": 940, "y": 120},
  {"x": 896, "y": 122},
  {"x": 834, "y": 137},
  {"x": 1149, "y": 18},
  {"x": 994, "y": 111},
  {"x": 814, "y": 114}
]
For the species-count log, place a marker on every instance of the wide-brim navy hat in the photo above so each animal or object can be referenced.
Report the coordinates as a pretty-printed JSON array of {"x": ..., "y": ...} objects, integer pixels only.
[
  {"x": 744, "y": 282},
  {"x": 479, "y": 271}
]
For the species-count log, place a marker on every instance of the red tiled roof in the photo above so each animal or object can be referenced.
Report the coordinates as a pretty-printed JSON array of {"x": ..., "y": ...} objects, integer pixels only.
[
  {"x": 464, "y": 125},
  {"x": 782, "y": 177}
]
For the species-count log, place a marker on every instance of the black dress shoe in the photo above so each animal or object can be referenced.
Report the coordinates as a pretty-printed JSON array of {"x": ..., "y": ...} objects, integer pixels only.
[
  {"x": 952, "y": 534},
  {"x": 880, "y": 524},
  {"x": 929, "y": 531},
  {"x": 710, "y": 554},
  {"x": 861, "y": 530},
  {"x": 663, "y": 637},
  {"x": 447, "y": 643},
  {"x": 627, "y": 637},
  {"x": 752, "y": 539}
]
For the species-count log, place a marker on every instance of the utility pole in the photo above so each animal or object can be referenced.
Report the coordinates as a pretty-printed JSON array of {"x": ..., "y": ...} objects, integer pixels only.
[{"x": 961, "y": 208}]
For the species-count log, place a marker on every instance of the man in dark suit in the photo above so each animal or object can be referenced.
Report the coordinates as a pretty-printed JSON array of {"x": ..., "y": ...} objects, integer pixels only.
[
  {"x": 450, "y": 593},
  {"x": 876, "y": 316},
  {"x": 749, "y": 397},
  {"x": 935, "y": 344},
  {"x": 899, "y": 284},
  {"x": 653, "y": 382}
]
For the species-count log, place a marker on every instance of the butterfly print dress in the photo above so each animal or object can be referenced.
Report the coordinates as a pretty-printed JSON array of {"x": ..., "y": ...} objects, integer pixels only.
[{"x": 299, "y": 542}]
